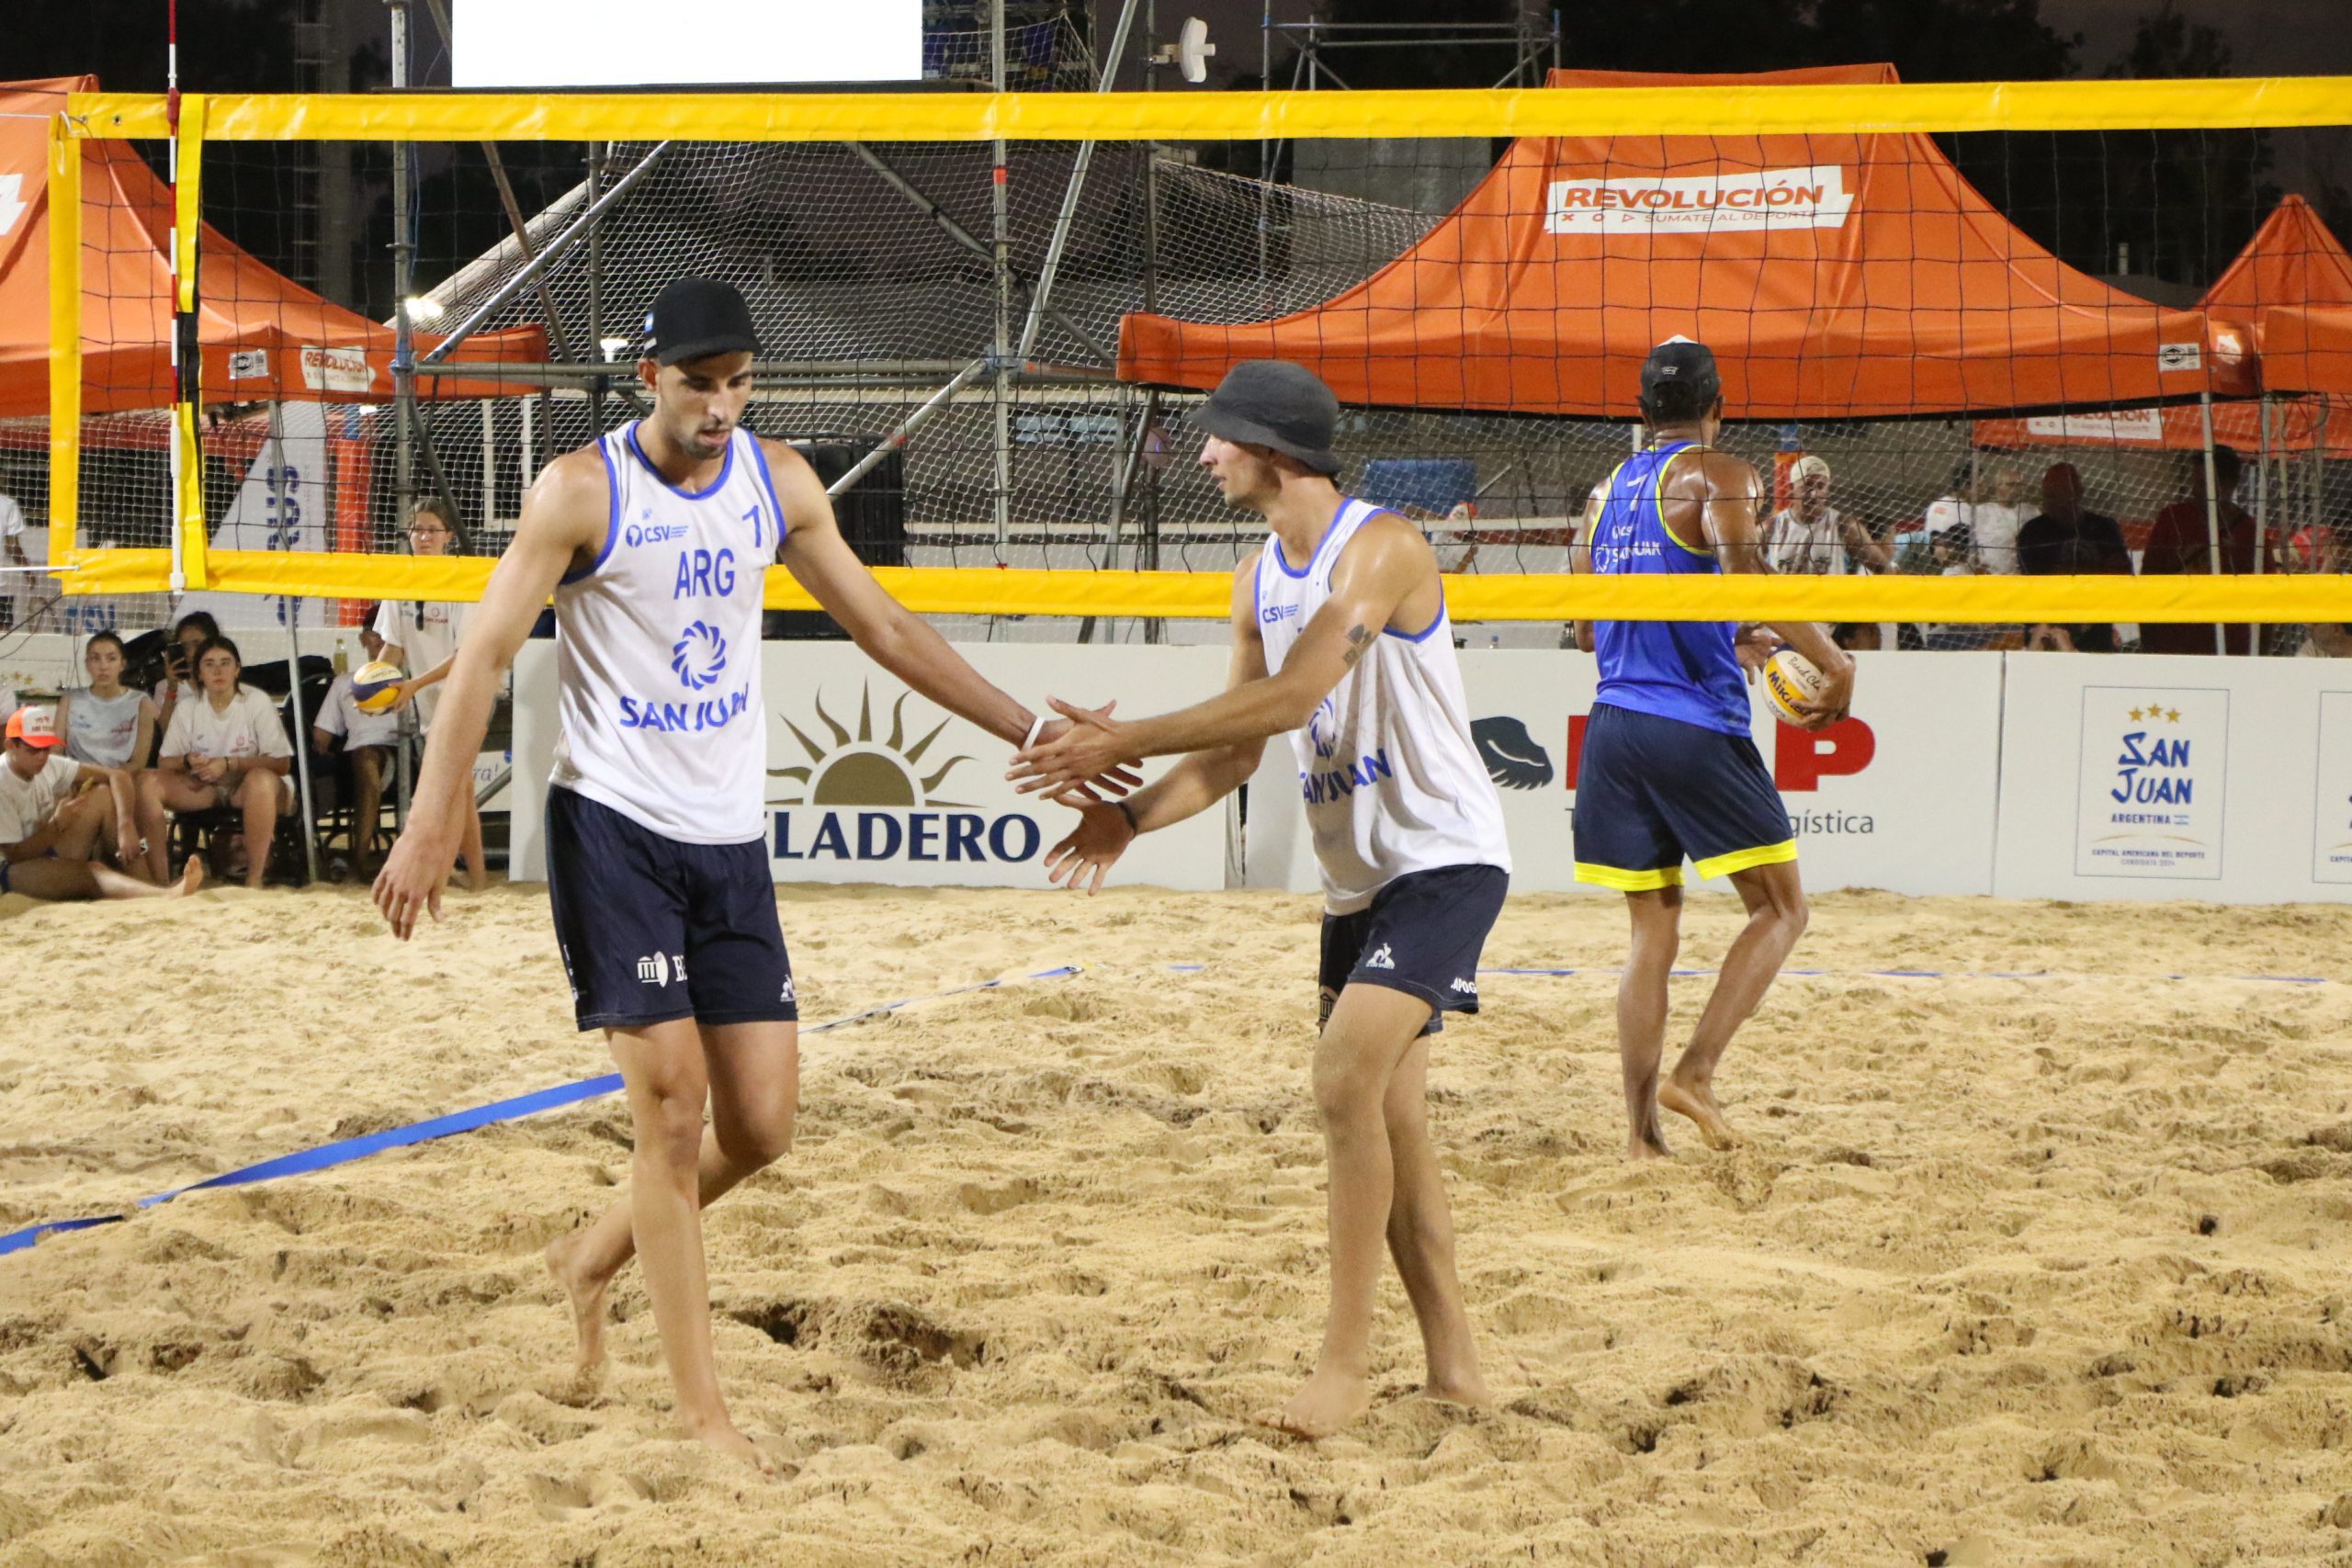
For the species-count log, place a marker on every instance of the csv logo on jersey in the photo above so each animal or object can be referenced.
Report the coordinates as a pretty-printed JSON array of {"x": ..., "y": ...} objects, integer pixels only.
[
  {"x": 859, "y": 798},
  {"x": 1728, "y": 201},
  {"x": 2154, "y": 766}
]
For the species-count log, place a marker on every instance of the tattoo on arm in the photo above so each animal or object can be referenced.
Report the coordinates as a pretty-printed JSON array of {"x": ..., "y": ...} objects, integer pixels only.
[{"x": 1357, "y": 638}]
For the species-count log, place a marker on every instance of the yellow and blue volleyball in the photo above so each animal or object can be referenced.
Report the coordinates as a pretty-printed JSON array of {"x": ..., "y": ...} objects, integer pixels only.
[
  {"x": 376, "y": 686},
  {"x": 1790, "y": 678}
]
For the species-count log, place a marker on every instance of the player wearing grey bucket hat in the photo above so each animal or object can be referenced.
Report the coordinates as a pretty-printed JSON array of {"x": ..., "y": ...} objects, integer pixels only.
[{"x": 1275, "y": 404}]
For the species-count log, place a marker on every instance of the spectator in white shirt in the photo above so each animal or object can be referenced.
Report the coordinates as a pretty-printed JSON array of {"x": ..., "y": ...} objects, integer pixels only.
[
  {"x": 226, "y": 747},
  {"x": 421, "y": 638},
  {"x": 1993, "y": 524},
  {"x": 1811, "y": 537},
  {"x": 367, "y": 740},
  {"x": 12, "y": 555},
  {"x": 192, "y": 631},
  {"x": 106, "y": 722},
  {"x": 57, "y": 814}
]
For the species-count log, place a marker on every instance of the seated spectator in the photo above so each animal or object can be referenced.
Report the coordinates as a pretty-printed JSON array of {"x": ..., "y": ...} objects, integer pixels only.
[
  {"x": 106, "y": 722},
  {"x": 226, "y": 747},
  {"x": 193, "y": 630},
  {"x": 1952, "y": 512},
  {"x": 57, "y": 814},
  {"x": 2180, "y": 545},
  {"x": 367, "y": 740},
  {"x": 1994, "y": 523},
  {"x": 1811, "y": 537},
  {"x": 1950, "y": 556},
  {"x": 2327, "y": 639},
  {"x": 2064, "y": 540}
]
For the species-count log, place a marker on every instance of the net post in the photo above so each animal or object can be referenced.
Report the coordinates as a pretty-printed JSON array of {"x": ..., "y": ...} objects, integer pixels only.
[
  {"x": 293, "y": 611},
  {"x": 403, "y": 285},
  {"x": 190, "y": 540},
  {"x": 64, "y": 340},
  {"x": 2212, "y": 510},
  {"x": 1000, "y": 245},
  {"x": 2262, "y": 490}
]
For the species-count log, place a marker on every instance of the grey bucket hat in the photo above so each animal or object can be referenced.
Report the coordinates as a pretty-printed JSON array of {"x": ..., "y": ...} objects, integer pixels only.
[{"x": 1274, "y": 403}]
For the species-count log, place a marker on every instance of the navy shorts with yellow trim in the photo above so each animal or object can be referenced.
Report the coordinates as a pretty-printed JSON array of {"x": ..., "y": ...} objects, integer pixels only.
[{"x": 1651, "y": 791}]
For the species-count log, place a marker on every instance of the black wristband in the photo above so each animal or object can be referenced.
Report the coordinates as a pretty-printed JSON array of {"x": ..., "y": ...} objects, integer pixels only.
[{"x": 1128, "y": 812}]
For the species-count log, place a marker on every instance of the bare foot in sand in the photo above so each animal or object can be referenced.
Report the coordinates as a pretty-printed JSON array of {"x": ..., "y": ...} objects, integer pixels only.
[
  {"x": 1649, "y": 1140},
  {"x": 721, "y": 1435},
  {"x": 1329, "y": 1402},
  {"x": 586, "y": 1294},
  {"x": 1697, "y": 1102},
  {"x": 1468, "y": 1391},
  {"x": 191, "y": 878}
]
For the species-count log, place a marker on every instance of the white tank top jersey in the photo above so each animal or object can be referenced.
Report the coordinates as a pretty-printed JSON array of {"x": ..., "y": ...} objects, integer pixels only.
[
  {"x": 1390, "y": 776},
  {"x": 657, "y": 649}
]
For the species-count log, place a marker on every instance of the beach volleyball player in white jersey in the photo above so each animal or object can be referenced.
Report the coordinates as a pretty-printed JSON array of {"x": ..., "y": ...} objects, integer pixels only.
[
  {"x": 653, "y": 542},
  {"x": 1341, "y": 639}
]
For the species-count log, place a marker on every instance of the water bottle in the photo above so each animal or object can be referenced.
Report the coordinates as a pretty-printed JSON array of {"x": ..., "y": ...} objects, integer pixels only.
[{"x": 342, "y": 657}]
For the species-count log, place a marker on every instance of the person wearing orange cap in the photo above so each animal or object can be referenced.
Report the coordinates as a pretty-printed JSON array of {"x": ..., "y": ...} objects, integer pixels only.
[{"x": 53, "y": 819}]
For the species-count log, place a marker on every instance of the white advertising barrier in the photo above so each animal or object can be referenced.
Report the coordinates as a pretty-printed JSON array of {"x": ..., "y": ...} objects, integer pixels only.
[
  {"x": 1901, "y": 795},
  {"x": 2228, "y": 780},
  {"x": 868, "y": 781}
]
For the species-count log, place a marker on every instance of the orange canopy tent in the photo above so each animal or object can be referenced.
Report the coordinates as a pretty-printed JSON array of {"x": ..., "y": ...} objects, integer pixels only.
[
  {"x": 262, "y": 335},
  {"x": 1836, "y": 276},
  {"x": 2293, "y": 262},
  {"x": 2294, "y": 282}
]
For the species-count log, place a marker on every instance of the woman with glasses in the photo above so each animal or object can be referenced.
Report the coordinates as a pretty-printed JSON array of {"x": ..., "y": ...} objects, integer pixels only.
[{"x": 421, "y": 638}]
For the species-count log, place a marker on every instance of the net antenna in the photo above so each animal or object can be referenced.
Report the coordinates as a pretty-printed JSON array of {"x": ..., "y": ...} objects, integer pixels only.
[{"x": 1191, "y": 52}]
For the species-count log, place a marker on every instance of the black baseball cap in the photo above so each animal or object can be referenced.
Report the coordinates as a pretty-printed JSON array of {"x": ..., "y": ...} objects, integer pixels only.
[
  {"x": 1272, "y": 403},
  {"x": 695, "y": 316},
  {"x": 1679, "y": 361}
]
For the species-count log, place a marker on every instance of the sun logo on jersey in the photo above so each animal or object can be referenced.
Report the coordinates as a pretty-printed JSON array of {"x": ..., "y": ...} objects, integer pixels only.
[
  {"x": 698, "y": 657},
  {"x": 856, "y": 770},
  {"x": 1323, "y": 729}
]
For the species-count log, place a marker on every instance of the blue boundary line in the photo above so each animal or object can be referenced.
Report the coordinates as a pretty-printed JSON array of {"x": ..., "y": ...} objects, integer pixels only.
[{"x": 345, "y": 1150}]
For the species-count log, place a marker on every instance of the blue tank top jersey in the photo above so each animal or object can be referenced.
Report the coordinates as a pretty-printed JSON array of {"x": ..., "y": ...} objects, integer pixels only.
[{"x": 1681, "y": 670}]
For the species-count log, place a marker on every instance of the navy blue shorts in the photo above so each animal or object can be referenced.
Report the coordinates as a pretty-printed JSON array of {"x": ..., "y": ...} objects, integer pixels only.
[
  {"x": 1651, "y": 791},
  {"x": 1421, "y": 934},
  {"x": 653, "y": 930}
]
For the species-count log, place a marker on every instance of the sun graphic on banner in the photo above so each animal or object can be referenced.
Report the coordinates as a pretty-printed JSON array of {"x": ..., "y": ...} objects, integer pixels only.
[{"x": 857, "y": 771}]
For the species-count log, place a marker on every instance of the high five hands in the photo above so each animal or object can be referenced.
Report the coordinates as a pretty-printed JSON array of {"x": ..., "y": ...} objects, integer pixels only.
[{"x": 1087, "y": 748}]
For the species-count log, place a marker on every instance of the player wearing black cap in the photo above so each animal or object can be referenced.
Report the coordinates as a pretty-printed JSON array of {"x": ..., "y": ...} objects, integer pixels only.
[
  {"x": 654, "y": 542},
  {"x": 1669, "y": 768}
]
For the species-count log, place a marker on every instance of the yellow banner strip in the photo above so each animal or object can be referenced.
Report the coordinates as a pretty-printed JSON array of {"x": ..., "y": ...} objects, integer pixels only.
[
  {"x": 195, "y": 537},
  {"x": 1847, "y": 109},
  {"x": 189, "y": 214},
  {"x": 64, "y": 199},
  {"x": 1206, "y": 595}
]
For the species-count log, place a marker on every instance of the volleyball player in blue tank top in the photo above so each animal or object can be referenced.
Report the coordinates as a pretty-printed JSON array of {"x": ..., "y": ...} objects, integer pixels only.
[{"x": 1669, "y": 769}]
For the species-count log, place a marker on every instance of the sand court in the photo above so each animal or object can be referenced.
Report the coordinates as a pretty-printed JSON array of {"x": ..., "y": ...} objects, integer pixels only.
[{"x": 2008, "y": 1269}]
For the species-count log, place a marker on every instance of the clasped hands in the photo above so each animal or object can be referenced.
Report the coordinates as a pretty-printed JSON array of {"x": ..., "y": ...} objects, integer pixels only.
[{"x": 1084, "y": 758}]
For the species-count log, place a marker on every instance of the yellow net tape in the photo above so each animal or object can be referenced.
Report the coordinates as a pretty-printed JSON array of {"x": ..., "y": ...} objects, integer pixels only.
[
  {"x": 1207, "y": 595},
  {"x": 821, "y": 117},
  {"x": 2275, "y": 101}
]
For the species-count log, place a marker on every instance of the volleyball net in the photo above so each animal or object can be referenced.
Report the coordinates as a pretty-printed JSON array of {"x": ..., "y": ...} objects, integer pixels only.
[{"x": 1941, "y": 313}]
